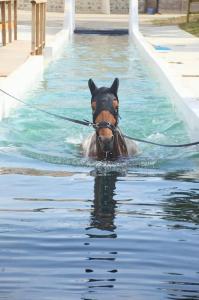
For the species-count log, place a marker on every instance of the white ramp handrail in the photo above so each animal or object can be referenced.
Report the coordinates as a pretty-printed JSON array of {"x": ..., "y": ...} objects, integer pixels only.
[
  {"x": 133, "y": 16},
  {"x": 69, "y": 16}
]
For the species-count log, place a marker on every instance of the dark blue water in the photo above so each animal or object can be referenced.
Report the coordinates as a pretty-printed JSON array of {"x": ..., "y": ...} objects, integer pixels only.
[{"x": 73, "y": 228}]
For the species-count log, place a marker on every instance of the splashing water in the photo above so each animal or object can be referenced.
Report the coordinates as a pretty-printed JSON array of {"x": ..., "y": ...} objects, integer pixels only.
[{"x": 146, "y": 112}]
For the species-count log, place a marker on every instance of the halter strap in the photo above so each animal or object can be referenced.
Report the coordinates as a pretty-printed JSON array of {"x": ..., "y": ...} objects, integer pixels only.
[{"x": 104, "y": 124}]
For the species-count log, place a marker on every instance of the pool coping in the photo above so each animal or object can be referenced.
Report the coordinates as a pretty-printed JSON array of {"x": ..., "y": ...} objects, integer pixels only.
[
  {"x": 187, "y": 105},
  {"x": 28, "y": 75}
]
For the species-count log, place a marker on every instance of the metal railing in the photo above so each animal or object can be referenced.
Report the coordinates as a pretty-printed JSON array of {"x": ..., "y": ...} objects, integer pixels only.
[
  {"x": 38, "y": 26},
  {"x": 189, "y": 11},
  {"x": 8, "y": 24}
]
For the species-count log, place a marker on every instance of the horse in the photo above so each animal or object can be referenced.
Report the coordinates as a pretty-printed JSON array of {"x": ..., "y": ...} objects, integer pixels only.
[{"x": 107, "y": 142}]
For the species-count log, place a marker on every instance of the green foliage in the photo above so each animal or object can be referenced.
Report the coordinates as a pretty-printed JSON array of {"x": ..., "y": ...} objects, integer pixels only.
[{"x": 192, "y": 27}]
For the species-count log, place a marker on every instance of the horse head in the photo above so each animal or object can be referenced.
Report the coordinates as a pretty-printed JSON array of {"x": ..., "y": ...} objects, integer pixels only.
[{"x": 105, "y": 104}]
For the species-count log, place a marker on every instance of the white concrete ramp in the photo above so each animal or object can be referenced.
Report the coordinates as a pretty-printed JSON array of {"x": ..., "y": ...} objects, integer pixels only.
[
  {"x": 102, "y": 22},
  {"x": 179, "y": 50}
]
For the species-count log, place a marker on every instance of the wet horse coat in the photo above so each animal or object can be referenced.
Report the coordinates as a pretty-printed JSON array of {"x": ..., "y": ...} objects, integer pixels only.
[
  {"x": 123, "y": 147},
  {"x": 107, "y": 142}
]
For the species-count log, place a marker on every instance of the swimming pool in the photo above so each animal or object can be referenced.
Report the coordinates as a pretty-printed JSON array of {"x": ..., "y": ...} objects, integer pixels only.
[{"x": 73, "y": 228}]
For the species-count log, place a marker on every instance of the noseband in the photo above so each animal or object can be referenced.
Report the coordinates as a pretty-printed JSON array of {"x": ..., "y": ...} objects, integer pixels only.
[{"x": 104, "y": 124}]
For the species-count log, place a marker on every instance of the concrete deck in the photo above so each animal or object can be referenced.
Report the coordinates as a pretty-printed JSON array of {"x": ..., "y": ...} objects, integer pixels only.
[
  {"x": 179, "y": 50},
  {"x": 13, "y": 55},
  {"x": 108, "y": 22}
]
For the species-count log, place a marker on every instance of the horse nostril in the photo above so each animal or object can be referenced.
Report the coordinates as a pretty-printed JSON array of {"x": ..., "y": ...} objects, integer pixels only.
[
  {"x": 105, "y": 139},
  {"x": 106, "y": 143}
]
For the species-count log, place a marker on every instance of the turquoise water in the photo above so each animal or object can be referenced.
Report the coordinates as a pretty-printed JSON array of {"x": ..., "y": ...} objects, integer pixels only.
[{"x": 74, "y": 228}]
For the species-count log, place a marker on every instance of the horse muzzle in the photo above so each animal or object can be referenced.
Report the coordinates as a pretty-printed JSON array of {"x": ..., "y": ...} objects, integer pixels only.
[{"x": 106, "y": 144}]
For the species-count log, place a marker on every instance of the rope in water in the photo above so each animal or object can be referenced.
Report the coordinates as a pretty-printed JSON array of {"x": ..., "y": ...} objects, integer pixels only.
[
  {"x": 90, "y": 124},
  {"x": 86, "y": 123}
]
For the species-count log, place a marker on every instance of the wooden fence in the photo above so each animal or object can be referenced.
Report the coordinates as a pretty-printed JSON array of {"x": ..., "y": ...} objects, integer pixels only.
[
  {"x": 8, "y": 24},
  {"x": 189, "y": 11},
  {"x": 38, "y": 26}
]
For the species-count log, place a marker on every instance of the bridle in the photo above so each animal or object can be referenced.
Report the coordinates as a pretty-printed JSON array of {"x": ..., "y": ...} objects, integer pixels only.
[
  {"x": 111, "y": 109},
  {"x": 105, "y": 124}
]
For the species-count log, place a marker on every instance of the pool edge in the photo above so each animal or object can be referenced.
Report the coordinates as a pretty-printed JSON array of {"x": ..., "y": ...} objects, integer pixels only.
[{"x": 187, "y": 106}]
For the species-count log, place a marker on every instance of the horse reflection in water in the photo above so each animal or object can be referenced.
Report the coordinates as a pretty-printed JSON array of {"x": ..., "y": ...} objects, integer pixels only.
[
  {"x": 107, "y": 142},
  {"x": 102, "y": 227},
  {"x": 103, "y": 214}
]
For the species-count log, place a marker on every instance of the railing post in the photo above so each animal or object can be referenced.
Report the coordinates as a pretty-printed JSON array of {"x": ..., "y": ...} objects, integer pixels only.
[
  {"x": 41, "y": 28},
  {"x": 10, "y": 21},
  {"x": 15, "y": 19},
  {"x": 3, "y": 19},
  {"x": 37, "y": 29},
  {"x": 38, "y": 26},
  {"x": 44, "y": 25},
  {"x": 188, "y": 11},
  {"x": 33, "y": 44}
]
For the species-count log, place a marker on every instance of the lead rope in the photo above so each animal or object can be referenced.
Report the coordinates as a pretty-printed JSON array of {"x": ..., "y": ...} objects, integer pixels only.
[
  {"x": 84, "y": 122},
  {"x": 161, "y": 145},
  {"x": 90, "y": 124}
]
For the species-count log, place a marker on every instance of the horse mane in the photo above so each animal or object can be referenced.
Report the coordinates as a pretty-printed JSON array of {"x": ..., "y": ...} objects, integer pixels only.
[{"x": 120, "y": 147}]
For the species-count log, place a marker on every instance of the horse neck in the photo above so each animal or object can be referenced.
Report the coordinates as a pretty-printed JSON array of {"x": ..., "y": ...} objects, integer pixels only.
[{"x": 119, "y": 148}]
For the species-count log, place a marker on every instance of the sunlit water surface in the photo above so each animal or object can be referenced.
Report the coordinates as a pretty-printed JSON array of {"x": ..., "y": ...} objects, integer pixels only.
[{"x": 73, "y": 228}]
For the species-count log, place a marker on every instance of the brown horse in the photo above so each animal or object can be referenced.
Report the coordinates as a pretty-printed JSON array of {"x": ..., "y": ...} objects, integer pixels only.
[{"x": 107, "y": 141}]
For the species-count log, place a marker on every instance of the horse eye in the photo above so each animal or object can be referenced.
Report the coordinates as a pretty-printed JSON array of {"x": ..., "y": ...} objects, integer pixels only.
[
  {"x": 93, "y": 105},
  {"x": 115, "y": 101},
  {"x": 115, "y": 104}
]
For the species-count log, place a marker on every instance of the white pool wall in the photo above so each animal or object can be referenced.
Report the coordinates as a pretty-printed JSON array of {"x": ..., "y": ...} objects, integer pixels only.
[
  {"x": 19, "y": 83},
  {"x": 187, "y": 107}
]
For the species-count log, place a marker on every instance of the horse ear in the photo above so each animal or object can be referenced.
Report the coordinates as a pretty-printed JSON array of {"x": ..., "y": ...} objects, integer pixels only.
[
  {"x": 115, "y": 86},
  {"x": 92, "y": 86}
]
